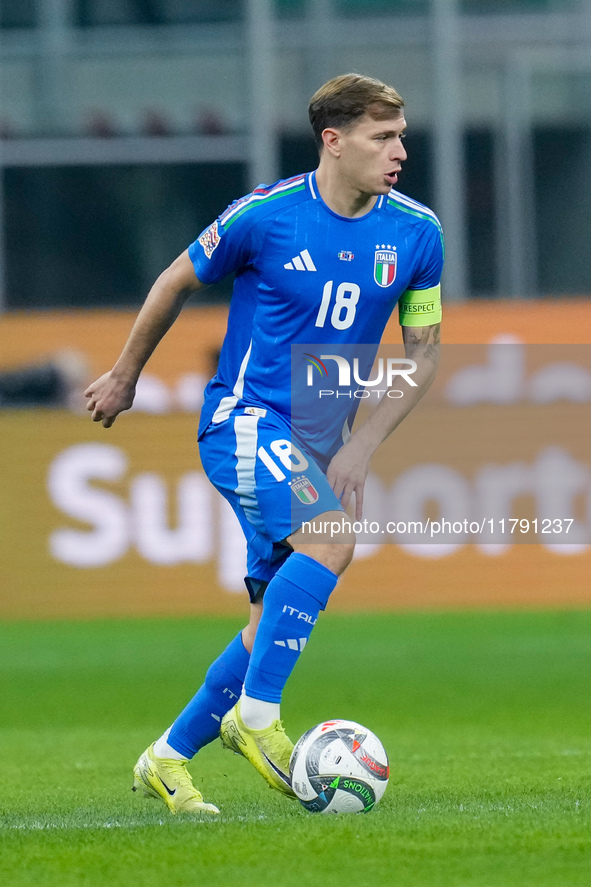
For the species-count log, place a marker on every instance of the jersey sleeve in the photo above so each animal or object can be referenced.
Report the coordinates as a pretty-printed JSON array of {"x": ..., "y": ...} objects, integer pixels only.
[
  {"x": 226, "y": 246},
  {"x": 420, "y": 303}
]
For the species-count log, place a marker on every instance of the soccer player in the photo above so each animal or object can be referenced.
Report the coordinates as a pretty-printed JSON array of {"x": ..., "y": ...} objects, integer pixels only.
[{"x": 322, "y": 257}]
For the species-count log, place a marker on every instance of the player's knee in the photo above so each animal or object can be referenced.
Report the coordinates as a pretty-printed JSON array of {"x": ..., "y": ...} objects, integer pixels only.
[
  {"x": 339, "y": 555},
  {"x": 335, "y": 556},
  {"x": 334, "y": 549}
]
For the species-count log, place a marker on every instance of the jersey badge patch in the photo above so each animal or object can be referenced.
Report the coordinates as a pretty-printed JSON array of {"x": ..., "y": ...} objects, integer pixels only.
[
  {"x": 384, "y": 269},
  {"x": 346, "y": 256},
  {"x": 210, "y": 239},
  {"x": 305, "y": 490}
]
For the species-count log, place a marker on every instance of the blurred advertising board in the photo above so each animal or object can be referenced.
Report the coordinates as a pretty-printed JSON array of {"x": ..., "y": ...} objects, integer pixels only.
[{"x": 98, "y": 522}]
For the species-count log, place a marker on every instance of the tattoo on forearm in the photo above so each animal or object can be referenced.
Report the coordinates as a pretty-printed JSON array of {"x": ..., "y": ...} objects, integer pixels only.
[{"x": 423, "y": 339}]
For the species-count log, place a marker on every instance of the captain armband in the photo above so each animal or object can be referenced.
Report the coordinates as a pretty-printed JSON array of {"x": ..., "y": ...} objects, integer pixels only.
[{"x": 420, "y": 307}]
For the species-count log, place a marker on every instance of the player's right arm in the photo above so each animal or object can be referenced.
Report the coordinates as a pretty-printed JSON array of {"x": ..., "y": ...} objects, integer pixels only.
[{"x": 115, "y": 390}]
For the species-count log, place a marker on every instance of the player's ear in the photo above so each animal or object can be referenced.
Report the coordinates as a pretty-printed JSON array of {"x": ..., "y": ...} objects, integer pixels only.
[{"x": 332, "y": 141}]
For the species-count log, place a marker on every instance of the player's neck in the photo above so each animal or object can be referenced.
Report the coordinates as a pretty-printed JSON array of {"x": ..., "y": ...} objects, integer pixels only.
[{"x": 340, "y": 197}]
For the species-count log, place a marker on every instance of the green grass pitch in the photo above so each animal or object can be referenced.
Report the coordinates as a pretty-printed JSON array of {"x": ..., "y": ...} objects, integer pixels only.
[{"x": 486, "y": 718}]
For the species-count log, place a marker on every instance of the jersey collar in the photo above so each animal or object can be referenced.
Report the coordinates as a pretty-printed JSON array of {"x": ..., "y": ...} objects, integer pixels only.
[{"x": 313, "y": 188}]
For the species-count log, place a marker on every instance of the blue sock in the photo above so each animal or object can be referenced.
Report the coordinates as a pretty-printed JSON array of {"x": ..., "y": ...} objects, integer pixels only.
[
  {"x": 292, "y": 601},
  {"x": 199, "y": 722}
]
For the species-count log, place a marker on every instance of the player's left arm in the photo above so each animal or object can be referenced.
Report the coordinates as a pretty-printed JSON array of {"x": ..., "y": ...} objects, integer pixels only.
[{"x": 349, "y": 468}]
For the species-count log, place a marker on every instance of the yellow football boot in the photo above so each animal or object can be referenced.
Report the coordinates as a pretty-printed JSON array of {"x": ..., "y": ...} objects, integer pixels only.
[
  {"x": 268, "y": 750},
  {"x": 169, "y": 780}
]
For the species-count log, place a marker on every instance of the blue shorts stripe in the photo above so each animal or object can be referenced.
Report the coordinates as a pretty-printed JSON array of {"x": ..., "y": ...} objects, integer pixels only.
[{"x": 245, "y": 429}]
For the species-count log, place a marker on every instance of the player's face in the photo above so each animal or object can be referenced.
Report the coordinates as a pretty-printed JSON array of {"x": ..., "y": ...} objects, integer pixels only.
[{"x": 372, "y": 153}]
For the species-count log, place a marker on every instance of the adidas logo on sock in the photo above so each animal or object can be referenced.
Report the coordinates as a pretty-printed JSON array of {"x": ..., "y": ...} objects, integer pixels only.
[
  {"x": 303, "y": 262},
  {"x": 293, "y": 643}
]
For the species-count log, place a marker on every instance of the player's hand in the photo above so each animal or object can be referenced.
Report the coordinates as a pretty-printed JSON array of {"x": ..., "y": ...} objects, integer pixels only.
[
  {"x": 107, "y": 397},
  {"x": 347, "y": 473}
]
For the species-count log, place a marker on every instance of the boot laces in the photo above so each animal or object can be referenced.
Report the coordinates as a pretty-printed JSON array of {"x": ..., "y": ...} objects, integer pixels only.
[{"x": 181, "y": 777}]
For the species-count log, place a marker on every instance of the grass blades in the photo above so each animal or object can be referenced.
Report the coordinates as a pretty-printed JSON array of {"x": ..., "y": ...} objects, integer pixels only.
[{"x": 485, "y": 716}]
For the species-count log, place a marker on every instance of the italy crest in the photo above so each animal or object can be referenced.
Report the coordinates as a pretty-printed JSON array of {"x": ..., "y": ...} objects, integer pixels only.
[
  {"x": 384, "y": 269},
  {"x": 304, "y": 490}
]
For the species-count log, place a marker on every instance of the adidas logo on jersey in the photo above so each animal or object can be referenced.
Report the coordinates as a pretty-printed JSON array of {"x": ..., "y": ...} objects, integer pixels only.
[
  {"x": 293, "y": 643},
  {"x": 303, "y": 262}
]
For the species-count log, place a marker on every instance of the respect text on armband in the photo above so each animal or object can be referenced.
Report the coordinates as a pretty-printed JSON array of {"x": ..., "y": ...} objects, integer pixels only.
[{"x": 419, "y": 308}]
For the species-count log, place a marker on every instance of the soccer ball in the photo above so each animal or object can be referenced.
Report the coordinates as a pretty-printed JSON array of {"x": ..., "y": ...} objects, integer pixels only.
[{"x": 339, "y": 767}]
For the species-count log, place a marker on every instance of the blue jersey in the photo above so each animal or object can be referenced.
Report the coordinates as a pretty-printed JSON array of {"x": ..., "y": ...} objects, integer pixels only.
[{"x": 307, "y": 275}]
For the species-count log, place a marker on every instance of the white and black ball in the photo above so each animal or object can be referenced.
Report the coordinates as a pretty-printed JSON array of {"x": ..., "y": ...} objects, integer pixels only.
[{"x": 339, "y": 767}]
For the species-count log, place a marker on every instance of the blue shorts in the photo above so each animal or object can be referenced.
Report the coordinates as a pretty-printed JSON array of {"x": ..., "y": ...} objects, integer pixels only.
[{"x": 272, "y": 485}]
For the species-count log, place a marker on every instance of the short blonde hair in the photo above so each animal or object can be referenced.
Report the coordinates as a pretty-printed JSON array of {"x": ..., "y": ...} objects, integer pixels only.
[{"x": 343, "y": 100}]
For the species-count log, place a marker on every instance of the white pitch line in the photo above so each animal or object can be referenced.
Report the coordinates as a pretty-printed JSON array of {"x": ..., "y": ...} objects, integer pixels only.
[
  {"x": 42, "y": 826},
  {"x": 45, "y": 826}
]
